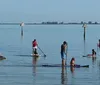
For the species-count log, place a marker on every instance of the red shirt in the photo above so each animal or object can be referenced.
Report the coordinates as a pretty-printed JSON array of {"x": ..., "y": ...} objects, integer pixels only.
[
  {"x": 99, "y": 45},
  {"x": 34, "y": 43}
]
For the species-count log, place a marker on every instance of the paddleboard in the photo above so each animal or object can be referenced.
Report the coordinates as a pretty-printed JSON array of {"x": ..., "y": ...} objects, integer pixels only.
[
  {"x": 25, "y": 55},
  {"x": 35, "y": 55},
  {"x": 46, "y": 65},
  {"x": 89, "y": 56},
  {"x": 59, "y": 65}
]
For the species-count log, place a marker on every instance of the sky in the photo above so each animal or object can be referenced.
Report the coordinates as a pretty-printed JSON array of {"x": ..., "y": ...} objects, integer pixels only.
[{"x": 49, "y": 10}]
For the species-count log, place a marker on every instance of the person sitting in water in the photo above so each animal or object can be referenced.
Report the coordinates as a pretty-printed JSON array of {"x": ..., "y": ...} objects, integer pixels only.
[
  {"x": 93, "y": 53},
  {"x": 72, "y": 62}
]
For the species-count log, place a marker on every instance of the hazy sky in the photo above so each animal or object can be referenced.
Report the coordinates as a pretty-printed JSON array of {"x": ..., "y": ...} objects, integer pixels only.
[{"x": 49, "y": 10}]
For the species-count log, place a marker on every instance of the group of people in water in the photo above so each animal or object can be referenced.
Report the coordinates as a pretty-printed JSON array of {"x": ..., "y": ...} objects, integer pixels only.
[{"x": 64, "y": 49}]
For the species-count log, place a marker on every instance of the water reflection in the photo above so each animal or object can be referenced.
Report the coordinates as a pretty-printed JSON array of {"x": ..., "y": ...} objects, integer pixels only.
[
  {"x": 22, "y": 24},
  {"x": 93, "y": 60},
  {"x": 72, "y": 69},
  {"x": 21, "y": 38},
  {"x": 98, "y": 66},
  {"x": 64, "y": 75},
  {"x": 34, "y": 62},
  {"x": 84, "y": 48}
]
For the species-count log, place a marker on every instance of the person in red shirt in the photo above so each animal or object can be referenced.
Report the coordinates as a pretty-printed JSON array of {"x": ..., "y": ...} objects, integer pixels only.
[
  {"x": 34, "y": 46},
  {"x": 98, "y": 44}
]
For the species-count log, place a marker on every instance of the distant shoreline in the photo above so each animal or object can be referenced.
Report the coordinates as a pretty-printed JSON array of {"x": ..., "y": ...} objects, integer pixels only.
[{"x": 50, "y": 23}]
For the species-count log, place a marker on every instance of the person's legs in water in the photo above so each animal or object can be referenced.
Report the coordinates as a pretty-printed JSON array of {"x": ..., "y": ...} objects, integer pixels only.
[{"x": 63, "y": 59}]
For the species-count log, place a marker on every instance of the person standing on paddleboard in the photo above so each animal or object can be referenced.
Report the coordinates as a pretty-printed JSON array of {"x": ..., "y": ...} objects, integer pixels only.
[
  {"x": 98, "y": 44},
  {"x": 34, "y": 46},
  {"x": 64, "y": 47}
]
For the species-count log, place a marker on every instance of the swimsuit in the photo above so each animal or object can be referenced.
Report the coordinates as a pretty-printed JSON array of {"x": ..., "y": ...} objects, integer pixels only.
[{"x": 63, "y": 55}]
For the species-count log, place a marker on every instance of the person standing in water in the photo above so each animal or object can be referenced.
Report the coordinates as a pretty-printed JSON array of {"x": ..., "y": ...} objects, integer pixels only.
[
  {"x": 64, "y": 47},
  {"x": 34, "y": 46}
]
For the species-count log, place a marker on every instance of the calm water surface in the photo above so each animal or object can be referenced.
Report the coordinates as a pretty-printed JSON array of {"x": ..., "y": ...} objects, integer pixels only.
[{"x": 17, "y": 68}]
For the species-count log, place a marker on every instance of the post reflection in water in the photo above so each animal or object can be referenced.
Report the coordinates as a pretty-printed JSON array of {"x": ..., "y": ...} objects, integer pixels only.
[
  {"x": 21, "y": 38},
  {"x": 64, "y": 75},
  {"x": 84, "y": 48},
  {"x": 22, "y": 31}
]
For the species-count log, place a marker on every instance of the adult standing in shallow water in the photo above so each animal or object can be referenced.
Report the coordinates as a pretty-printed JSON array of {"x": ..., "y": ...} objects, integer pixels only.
[{"x": 64, "y": 47}]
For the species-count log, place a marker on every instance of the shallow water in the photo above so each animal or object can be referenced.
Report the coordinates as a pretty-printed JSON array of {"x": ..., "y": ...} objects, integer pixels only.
[{"x": 17, "y": 68}]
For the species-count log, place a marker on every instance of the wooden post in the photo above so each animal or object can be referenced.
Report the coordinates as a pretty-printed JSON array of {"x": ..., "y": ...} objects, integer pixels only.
[
  {"x": 22, "y": 24},
  {"x": 84, "y": 26}
]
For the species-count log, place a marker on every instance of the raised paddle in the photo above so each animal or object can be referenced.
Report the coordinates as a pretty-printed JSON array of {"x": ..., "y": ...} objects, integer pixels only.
[{"x": 42, "y": 51}]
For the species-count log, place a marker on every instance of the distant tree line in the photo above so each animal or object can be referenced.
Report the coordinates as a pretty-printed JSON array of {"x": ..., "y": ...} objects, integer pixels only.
[{"x": 89, "y": 22}]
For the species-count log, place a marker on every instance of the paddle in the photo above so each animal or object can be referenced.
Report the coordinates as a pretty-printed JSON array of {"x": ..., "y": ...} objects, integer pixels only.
[{"x": 42, "y": 51}]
